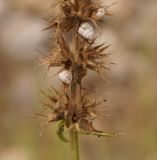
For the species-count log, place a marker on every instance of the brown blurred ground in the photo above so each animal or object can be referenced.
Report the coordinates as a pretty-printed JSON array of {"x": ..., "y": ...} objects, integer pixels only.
[{"x": 132, "y": 95}]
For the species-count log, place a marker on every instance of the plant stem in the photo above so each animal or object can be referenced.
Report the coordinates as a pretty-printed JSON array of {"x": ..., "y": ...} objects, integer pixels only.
[
  {"x": 74, "y": 91},
  {"x": 74, "y": 144},
  {"x": 73, "y": 132}
]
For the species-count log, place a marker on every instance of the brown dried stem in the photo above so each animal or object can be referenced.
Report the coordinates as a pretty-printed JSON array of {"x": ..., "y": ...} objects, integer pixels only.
[{"x": 74, "y": 91}]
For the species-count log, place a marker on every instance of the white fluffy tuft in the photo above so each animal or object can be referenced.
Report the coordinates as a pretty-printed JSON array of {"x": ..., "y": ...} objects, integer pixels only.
[{"x": 65, "y": 76}]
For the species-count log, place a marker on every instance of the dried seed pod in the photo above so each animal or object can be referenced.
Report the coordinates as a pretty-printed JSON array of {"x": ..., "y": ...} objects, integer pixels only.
[
  {"x": 99, "y": 13},
  {"x": 86, "y": 30},
  {"x": 65, "y": 76}
]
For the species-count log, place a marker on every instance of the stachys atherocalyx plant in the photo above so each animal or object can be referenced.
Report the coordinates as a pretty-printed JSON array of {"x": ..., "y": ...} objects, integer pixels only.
[{"x": 74, "y": 51}]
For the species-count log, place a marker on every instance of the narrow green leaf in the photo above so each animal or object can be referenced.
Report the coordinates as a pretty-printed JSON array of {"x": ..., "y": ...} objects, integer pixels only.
[
  {"x": 98, "y": 133},
  {"x": 60, "y": 132}
]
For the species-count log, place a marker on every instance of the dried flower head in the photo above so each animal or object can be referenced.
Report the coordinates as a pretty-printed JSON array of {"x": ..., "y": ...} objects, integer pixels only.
[
  {"x": 75, "y": 52},
  {"x": 81, "y": 114},
  {"x": 76, "y": 19},
  {"x": 72, "y": 13}
]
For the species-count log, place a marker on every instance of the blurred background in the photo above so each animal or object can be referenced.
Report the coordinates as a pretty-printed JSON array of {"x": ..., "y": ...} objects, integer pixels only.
[{"x": 132, "y": 94}]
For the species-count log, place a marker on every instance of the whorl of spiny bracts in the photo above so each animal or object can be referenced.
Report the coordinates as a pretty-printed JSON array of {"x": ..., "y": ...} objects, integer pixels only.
[
  {"x": 72, "y": 13},
  {"x": 90, "y": 57},
  {"x": 62, "y": 108}
]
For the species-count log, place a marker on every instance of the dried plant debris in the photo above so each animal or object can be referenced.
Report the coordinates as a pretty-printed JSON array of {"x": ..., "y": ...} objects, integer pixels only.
[
  {"x": 80, "y": 115},
  {"x": 72, "y": 13},
  {"x": 75, "y": 51},
  {"x": 90, "y": 56},
  {"x": 77, "y": 18}
]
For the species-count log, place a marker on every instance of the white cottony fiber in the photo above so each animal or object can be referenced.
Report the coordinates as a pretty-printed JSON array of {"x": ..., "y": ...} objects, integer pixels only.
[{"x": 65, "y": 76}]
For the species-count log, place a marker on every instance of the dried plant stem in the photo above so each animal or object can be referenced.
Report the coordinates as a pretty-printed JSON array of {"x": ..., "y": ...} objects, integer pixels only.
[
  {"x": 74, "y": 84},
  {"x": 74, "y": 92},
  {"x": 73, "y": 132}
]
